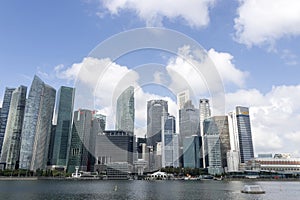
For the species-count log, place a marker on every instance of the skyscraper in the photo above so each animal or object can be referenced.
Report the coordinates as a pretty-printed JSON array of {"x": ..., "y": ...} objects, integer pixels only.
[
  {"x": 217, "y": 143},
  {"x": 245, "y": 135},
  {"x": 115, "y": 146},
  {"x": 170, "y": 148},
  {"x": 12, "y": 139},
  {"x": 80, "y": 140},
  {"x": 4, "y": 113},
  {"x": 191, "y": 151},
  {"x": 155, "y": 110},
  {"x": 37, "y": 125},
  {"x": 63, "y": 121},
  {"x": 182, "y": 98},
  {"x": 125, "y": 110},
  {"x": 205, "y": 113},
  {"x": 188, "y": 120}
]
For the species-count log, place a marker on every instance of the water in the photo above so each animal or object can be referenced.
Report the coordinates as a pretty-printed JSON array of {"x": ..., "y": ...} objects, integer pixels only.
[{"x": 134, "y": 190}]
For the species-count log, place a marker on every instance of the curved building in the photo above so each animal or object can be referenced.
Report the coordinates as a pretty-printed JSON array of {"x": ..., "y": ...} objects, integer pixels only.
[{"x": 125, "y": 110}]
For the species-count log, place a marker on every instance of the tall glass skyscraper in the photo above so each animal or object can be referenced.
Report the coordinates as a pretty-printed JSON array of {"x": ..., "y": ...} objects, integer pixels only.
[
  {"x": 170, "y": 146},
  {"x": 188, "y": 120},
  {"x": 245, "y": 135},
  {"x": 12, "y": 139},
  {"x": 191, "y": 151},
  {"x": 80, "y": 140},
  {"x": 155, "y": 110},
  {"x": 37, "y": 125},
  {"x": 125, "y": 110},
  {"x": 182, "y": 98},
  {"x": 63, "y": 121},
  {"x": 4, "y": 113},
  {"x": 205, "y": 113}
]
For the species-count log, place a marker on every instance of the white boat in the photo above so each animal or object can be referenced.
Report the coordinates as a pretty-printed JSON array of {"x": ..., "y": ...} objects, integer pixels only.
[{"x": 253, "y": 189}]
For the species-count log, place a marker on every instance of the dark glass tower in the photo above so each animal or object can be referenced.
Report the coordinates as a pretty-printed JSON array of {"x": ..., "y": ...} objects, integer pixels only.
[
  {"x": 37, "y": 125},
  {"x": 80, "y": 140},
  {"x": 155, "y": 110},
  {"x": 125, "y": 110},
  {"x": 63, "y": 121},
  {"x": 245, "y": 135},
  {"x": 12, "y": 140},
  {"x": 4, "y": 113}
]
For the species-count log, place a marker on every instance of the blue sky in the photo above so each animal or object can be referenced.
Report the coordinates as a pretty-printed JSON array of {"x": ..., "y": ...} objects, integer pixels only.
[{"x": 258, "y": 40}]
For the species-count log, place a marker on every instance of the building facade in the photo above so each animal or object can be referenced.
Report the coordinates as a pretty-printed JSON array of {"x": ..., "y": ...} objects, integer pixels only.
[
  {"x": 170, "y": 146},
  {"x": 12, "y": 140},
  {"x": 125, "y": 110},
  {"x": 4, "y": 113},
  {"x": 37, "y": 125},
  {"x": 80, "y": 141},
  {"x": 204, "y": 113},
  {"x": 217, "y": 143},
  {"x": 155, "y": 110},
  {"x": 63, "y": 122},
  {"x": 244, "y": 134},
  {"x": 191, "y": 151},
  {"x": 115, "y": 147},
  {"x": 182, "y": 98}
]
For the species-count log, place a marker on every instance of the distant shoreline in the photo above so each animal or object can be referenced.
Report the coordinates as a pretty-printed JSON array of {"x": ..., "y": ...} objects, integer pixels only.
[{"x": 80, "y": 179}]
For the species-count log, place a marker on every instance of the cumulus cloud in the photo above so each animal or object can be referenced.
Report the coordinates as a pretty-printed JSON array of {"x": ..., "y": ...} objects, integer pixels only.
[
  {"x": 274, "y": 117},
  {"x": 204, "y": 75},
  {"x": 195, "y": 13},
  {"x": 264, "y": 21}
]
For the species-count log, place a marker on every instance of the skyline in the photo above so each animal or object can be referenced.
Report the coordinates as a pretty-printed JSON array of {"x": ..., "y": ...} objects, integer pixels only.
[{"x": 259, "y": 66}]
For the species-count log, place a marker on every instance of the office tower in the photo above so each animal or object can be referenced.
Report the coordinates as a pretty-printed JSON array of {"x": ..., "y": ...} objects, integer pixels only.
[
  {"x": 141, "y": 148},
  {"x": 244, "y": 134},
  {"x": 98, "y": 128},
  {"x": 188, "y": 124},
  {"x": 205, "y": 113},
  {"x": 80, "y": 140},
  {"x": 98, "y": 123},
  {"x": 155, "y": 110},
  {"x": 233, "y": 131},
  {"x": 170, "y": 148},
  {"x": 63, "y": 122},
  {"x": 217, "y": 143},
  {"x": 233, "y": 156},
  {"x": 4, "y": 113},
  {"x": 188, "y": 120},
  {"x": 115, "y": 147},
  {"x": 12, "y": 139},
  {"x": 182, "y": 98},
  {"x": 191, "y": 151},
  {"x": 125, "y": 110},
  {"x": 37, "y": 125}
]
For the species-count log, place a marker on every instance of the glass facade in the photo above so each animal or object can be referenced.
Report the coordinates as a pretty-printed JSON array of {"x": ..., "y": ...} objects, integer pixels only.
[
  {"x": 155, "y": 110},
  {"x": 205, "y": 113},
  {"x": 4, "y": 113},
  {"x": 80, "y": 140},
  {"x": 63, "y": 119},
  {"x": 191, "y": 151},
  {"x": 115, "y": 147},
  {"x": 37, "y": 125},
  {"x": 169, "y": 142},
  {"x": 125, "y": 110},
  {"x": 216, "y": 126},
  {"x": 12, "y": 140},
  {"x": 245, "y": 135}
]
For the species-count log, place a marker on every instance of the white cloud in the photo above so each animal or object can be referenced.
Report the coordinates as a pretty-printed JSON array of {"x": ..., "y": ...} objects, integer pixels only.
[
  {"x": 264, "y": 21},
  {"x": 274, "y": 117},
  {"x": 202, "y": 76},
  {"x": 194, "y": 12}
]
